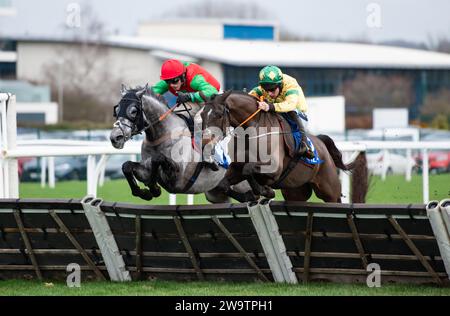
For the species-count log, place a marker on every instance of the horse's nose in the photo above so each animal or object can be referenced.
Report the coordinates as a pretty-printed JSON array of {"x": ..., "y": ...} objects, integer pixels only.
[{"x": 117, "y": 138}]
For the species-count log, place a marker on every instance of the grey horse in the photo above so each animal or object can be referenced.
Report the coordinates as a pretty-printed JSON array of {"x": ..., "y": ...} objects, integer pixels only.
[{"x": 168, "y": 157}]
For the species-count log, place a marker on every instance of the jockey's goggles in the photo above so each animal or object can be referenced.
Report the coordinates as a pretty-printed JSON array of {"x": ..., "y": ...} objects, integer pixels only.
[
  {"x": 269, "y": 87},
  {"x": 173, "y": 80}
]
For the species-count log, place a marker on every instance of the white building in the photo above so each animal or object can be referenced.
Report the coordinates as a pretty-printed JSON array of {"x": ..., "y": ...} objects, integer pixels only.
[{"x": 228, "y": 50}]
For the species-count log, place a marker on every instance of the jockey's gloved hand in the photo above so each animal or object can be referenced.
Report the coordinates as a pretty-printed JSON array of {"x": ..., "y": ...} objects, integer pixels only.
[
  {"x": 184, "y": 97},
  {"x": 271, "y": 107}
]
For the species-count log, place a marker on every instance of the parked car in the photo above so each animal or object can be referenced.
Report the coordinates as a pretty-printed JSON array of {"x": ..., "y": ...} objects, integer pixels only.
[
  {"x": 438, "y": 162},
  {"x": 396, "y": 161},
  {"x": 20, "y": 163},
  {"x": 66, "y": 168}
]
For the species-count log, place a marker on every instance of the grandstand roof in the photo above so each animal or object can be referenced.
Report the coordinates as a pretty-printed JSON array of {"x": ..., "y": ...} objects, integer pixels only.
[
  {"x": 295, "y": 54},
  {"x": 288, "y": 54}
]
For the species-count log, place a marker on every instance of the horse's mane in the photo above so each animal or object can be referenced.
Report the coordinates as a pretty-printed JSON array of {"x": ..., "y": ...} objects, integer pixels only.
[
  {"x": 158, "y": 97},
  {"x": 220, "y": 97},
  {"x": 148, "y": 92},
  {"x": 239, "y": 92}
]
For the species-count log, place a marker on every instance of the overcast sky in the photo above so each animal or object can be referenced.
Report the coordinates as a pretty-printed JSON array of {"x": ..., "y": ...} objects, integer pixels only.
[{"x": 410, "y": 20}]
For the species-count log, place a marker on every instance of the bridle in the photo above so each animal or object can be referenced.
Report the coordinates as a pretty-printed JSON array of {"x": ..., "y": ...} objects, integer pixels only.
[
  {"x": 140, "y": 121},
  {"x": 226, "y": 119}
]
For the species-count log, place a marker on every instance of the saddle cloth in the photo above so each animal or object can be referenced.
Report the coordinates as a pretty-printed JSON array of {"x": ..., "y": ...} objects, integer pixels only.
[{"x": 293, "y": 137}]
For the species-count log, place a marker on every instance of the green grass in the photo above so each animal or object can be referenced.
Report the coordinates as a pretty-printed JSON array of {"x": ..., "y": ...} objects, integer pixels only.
[
  {"x": 162, "y": 288},
  {"x": 394, "y": 190}
]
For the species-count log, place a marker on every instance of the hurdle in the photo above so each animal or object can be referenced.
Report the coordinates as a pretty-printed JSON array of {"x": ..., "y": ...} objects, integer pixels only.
[{"x": 264, "y": 242}]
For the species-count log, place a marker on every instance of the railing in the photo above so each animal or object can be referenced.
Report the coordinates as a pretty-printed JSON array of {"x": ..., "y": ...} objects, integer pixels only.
[{"x": 53, "y": 148}]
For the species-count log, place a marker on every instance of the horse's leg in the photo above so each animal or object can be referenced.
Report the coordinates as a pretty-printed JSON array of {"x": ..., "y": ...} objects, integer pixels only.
[
  {"x": 248, "y": 171},
  {"x": 302, "y": 193},
  {"x": 169, "y": 167},
  {"x": 167, "y": 164},
  {"x": 233, "y": 186},
  {"x": 145, "y": 172},
  {"x": 128, "y": 170},
  {"x": 326, "y": 185},
  {"x": 225, "y": 186},
  {"x": 217, "y": 195}
]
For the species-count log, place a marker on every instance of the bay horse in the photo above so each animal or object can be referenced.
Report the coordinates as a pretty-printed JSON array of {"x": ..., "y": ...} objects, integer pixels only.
[{"x": 295, "y": 178}]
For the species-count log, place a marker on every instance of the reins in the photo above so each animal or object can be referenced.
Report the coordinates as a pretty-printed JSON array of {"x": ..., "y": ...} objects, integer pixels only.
[
  {"x": 249, "y": 118},
  {"x": 261, "y": 98}
]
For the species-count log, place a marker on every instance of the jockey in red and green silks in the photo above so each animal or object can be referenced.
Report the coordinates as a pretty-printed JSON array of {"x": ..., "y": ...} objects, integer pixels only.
[
  {"x": 192, "y": 85},
  {"x": 188, "y": 81}
]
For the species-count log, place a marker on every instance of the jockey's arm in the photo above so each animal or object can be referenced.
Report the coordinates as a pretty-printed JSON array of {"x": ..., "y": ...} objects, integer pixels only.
[
  {"x": 160, "y": 87},
  {"x": 294, "y": 99},
  {"x": 199, "y": 84}
]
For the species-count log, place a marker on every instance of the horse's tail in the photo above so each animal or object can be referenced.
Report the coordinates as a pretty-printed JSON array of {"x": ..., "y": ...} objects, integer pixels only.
[{"x": 358, "y": 169}]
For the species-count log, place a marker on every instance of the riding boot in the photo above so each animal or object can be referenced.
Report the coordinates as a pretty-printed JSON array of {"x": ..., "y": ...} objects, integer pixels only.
[{"x": 304, "y": 150}]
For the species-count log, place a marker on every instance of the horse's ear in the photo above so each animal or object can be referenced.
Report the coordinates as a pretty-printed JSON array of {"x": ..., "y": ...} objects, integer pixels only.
[
  {"x": 123, "y": 89},
  {"x": 226, "y": 94},
  {"x": 142, "y": 91}
]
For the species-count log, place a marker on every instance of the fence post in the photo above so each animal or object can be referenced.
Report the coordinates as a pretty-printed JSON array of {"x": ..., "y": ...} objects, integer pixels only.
[
  {"x": 409, "y": 166},
  {"x": 112, "y": 257},
  {"x": 172, "y": 199},
  {"x": 3, "y": 191},
  {"x": 43, "y": 163},
  {"x": 444, "y": 207},
  {"x": 272, "y": 242},
  {"x": 436, "y": 216},
  {"x": 101, "y": 179},
  {"x": 2, "y": 179},
  {"x": 385, "y": 164},
  {"x": 345, "y": 180},
  {"x": 11, "y": 171},
  {"x": 91, "y": 182},
  {"x": 51, "y": 172},
  {"x": 425, "y": 178}
]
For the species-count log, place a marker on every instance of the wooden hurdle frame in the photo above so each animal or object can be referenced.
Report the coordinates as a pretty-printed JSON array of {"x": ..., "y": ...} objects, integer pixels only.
[{"x": 265, "y": 241}]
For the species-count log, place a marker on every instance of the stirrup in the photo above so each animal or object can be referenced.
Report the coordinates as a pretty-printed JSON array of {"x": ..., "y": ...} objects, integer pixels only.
[
  {"x": 306, "y": 151},
  {"x": 309, "y": 153}
]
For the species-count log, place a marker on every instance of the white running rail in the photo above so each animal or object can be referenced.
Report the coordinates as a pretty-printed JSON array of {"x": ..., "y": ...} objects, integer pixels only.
[{"x": 52, "y": 148}]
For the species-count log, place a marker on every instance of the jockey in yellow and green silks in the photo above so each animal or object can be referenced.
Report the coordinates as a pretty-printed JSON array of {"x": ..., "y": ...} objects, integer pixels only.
[{"x": 282, "y": 93}]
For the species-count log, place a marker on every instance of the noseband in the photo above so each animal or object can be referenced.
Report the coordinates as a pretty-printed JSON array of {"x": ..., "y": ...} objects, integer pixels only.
[{"x": 140, "y": 122}]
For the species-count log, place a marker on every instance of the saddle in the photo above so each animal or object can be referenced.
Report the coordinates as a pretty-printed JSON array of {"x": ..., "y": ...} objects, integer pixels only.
[{"x": 291, "y": 140}]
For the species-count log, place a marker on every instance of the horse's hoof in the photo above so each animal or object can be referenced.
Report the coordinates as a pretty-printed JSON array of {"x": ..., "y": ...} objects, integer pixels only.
[
  {"x": 136, "y": 193},
  {"x": 270, "y": 194},
  {"x": 250, "y": 196},
  {"x": 146, "y": 195},
  {"x": 155, "y": 191}
]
